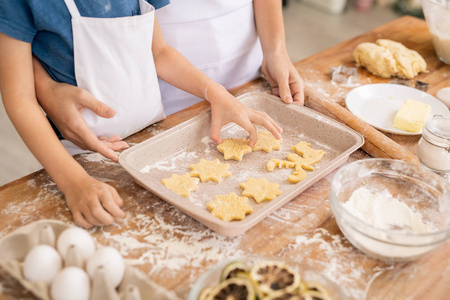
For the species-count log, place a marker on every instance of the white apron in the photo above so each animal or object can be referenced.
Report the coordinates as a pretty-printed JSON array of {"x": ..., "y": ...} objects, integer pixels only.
[
  {"x": 114, "y": 62},
  {"x": 217, "y": 36}
]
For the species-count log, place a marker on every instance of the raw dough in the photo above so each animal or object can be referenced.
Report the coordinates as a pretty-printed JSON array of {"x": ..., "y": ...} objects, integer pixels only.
[
  {"x": 267, "y": 142},
  {"x": 210, "y": 170},
  {"x": 234, "y": 148},
  {"x": 313, "y": 156},
  {"x": 181, "y": 184},
  {"x": 300, "y": 163},
  {"x": 229, "y": 207},
  {"x": 387, "y": 58},
  {"x": 260, "y": 189},
  {"x": 275, "y": 162}
]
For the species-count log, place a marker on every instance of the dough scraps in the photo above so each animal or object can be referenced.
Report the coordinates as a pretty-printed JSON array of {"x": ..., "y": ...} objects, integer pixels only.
[
  {"x": 234, "y": 148},
  {"x": 387, "y": 58},
  {"x": 229, "y": 207},
  {"x": 181, "y": 184},
  {"x": 210, "y": 170},
  {"x": 267, "y": 142},
  {"x": 260, "y": 189}
]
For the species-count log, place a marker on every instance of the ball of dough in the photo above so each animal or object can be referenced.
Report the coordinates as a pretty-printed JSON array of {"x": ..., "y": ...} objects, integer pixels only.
[{"x": 388, "y": 58}]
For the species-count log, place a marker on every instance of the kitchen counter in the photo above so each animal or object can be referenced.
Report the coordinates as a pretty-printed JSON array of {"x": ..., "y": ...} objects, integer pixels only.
[{"x": 174, "y": 249}]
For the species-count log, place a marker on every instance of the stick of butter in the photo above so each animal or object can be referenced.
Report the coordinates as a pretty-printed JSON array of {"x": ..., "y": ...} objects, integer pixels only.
[{"x": 412, "y": 115}]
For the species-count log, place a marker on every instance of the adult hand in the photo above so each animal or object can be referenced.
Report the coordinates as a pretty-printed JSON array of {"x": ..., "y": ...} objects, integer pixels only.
[
  {"x": 283, "y": 77},
  {"x": 225, "y": 108}
]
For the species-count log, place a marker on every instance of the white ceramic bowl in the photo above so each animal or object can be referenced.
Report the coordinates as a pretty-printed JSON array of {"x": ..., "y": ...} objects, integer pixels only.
[
  {"x": 422, "y": 191},
  {"x": 211, "y": 277}
]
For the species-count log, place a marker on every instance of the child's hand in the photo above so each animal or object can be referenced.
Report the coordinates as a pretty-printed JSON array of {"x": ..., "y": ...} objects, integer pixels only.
[
  {"x": 225, "y": 109},
  {"x": 283, "y": 77},
  {"x": 93, "y": 202}
]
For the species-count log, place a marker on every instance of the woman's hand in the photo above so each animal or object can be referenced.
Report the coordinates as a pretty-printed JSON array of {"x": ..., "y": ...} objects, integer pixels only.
[
  {"x": 93, "y": 202},
  {"x": 225, "y": 108},
  {"x": 63, "y": 103},
  {"x": 283, "y": 77}
]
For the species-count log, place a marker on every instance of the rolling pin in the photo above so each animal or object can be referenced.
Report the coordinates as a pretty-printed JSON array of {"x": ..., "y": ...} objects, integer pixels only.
[{"x": 376, "y": 143}]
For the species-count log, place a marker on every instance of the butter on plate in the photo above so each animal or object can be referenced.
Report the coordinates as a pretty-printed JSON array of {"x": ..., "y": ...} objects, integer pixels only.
[{"x": 412, "y": 115}]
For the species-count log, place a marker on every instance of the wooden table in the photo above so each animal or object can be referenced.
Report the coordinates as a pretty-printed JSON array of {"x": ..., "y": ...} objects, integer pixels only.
[{"x": 174, "y": 249}]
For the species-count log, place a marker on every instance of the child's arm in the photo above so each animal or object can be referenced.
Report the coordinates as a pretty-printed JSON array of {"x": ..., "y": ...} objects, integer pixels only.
[
  {"x": 91, "y": 201},
  {"x": 277, "y": 67},
  {"x": 174, "y": 68},
  {"x": 63, "y": 103}
]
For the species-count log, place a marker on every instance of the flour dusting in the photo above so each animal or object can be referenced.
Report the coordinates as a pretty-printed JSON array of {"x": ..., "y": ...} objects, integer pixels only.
[{"x": 158, "y": 243}]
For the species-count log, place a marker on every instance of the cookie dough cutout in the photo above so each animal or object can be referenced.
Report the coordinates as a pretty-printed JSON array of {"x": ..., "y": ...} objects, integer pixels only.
[
  {"x": 298, "y": 175},
  {"x": 229, "y": 207},
  {"x": 267, "y": 142},
  {"x": 275, "y": 162},
  {"x": 300, "y": 162},
  {"x": 234, "y": 148},
  {"x": 312, "y": 155},
  {"x": 260, "y": 189},
  {"x": 210, "y": 170},
  {"x": 181, "y": 184}
]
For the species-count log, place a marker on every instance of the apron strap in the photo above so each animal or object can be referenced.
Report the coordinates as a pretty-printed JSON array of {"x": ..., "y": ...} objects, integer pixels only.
[{"x": 72, "y": 7}]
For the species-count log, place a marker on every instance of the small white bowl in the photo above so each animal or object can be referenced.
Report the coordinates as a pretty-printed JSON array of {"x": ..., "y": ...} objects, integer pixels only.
[
  {"x": 422, "y": 191},
  {"x": 211, "y": 277}
]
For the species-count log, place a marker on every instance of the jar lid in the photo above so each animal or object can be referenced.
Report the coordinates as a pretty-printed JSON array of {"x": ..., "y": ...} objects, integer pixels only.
[{"x": 437, "y": 131}]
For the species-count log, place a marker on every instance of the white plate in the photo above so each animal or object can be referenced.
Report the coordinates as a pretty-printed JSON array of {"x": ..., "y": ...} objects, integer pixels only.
[{"x": 378, "y": 103}]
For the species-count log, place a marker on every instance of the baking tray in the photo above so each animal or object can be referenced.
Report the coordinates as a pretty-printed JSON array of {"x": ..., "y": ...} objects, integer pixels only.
[
  {"x": 175, "y": 149},
  {"x": 15, "y": 246}
]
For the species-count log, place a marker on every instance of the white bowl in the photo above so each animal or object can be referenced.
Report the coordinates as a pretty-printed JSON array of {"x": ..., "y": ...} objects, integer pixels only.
[
  {"x": 211, "y": 277},
  {"x": 422, "y": 191}
]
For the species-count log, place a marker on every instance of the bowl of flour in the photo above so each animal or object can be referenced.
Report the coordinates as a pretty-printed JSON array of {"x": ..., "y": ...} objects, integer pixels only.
[{"x": 390, "y": 209}]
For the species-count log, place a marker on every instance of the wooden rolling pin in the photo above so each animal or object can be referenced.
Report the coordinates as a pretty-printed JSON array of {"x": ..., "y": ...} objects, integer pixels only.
[{"x": 376, "y": 143}]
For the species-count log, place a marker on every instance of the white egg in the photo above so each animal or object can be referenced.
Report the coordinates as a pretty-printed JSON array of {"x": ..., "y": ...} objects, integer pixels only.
[
  {"x": 78, "y": 237},
  {"x": 42, "y": 263},
  {"x": 112, "y": 262},
  {"x": 444, "y": 95},
  {"x": 72, "y": 283}
]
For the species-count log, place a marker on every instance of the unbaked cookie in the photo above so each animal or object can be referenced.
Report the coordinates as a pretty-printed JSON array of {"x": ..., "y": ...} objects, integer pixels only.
[
  {"x": 234, "y": 148},
  {"x": 275, "y": 162},
  {"x": 312, "y": 155},
  {"x": 229, "y": 207},
  {"x": 210, "y": 170},
  {"x": 260, "y": 189},
  {"x": 181, "y": 184},
  {"x": 267, "y": 142}
]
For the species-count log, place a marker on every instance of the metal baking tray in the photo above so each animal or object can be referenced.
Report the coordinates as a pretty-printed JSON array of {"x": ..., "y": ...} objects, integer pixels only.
[{"x": 175, "y": 149}]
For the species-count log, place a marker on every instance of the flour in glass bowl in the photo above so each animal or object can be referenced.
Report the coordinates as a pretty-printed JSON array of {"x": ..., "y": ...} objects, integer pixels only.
[{"x": 382, "y": 211}]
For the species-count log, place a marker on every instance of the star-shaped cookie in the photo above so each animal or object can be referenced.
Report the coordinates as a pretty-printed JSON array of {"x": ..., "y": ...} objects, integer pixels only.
[
  {"x": 260, "y": 189},
  {"x": 210, "y": 170},
  {"x": 181, "y": 184},
  {"x": 307, "y": 152},
  {"x": 234, "y": 148},
  {"x": 229, "y": 207},
  {"x": 267, "y": 142}
]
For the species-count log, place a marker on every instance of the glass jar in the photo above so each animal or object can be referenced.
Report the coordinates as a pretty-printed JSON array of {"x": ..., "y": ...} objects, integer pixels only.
[
  {"x": 437, "y": 15},
  {"x": 433, "y": 149}
]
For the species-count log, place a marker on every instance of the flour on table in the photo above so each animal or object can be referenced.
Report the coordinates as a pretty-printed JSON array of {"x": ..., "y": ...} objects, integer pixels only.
[{"x": 159, "y": 244}]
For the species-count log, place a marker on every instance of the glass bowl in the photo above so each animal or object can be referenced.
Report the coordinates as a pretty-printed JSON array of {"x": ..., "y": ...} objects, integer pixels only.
[
  {"x": 391, "y": 235},
  {"x": 211, "y": 277}
]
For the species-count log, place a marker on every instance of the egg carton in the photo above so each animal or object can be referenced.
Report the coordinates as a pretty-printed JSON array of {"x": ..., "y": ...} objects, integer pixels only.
[{"x": 135, "y": 285}]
